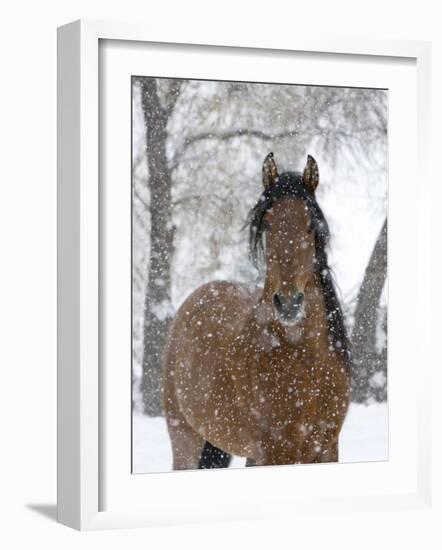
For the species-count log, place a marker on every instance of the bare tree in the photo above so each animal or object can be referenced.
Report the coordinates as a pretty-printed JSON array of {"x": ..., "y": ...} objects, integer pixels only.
[
  {"x": 157, "y": 308},
  {"x": 369, "y": 364}
]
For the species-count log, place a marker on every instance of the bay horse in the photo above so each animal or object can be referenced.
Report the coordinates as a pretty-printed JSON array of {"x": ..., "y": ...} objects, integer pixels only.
[{"x": 263, "y": 374}]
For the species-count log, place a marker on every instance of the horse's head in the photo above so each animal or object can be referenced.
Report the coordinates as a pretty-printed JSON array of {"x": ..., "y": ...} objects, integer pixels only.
[{"x": 295, "y": 231}]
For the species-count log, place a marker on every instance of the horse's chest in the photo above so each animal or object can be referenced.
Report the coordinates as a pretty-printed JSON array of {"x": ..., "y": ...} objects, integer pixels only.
[{"x": 296, "y": 386}]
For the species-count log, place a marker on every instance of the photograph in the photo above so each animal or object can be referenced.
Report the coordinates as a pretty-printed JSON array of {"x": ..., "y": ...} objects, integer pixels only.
[{"x": 259, "y": 274}]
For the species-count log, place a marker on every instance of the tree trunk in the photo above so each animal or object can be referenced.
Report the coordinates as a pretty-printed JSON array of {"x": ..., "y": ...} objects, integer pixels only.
[
  {"x": 157, "y": 306},
  {"x": 369, "y": 366}
]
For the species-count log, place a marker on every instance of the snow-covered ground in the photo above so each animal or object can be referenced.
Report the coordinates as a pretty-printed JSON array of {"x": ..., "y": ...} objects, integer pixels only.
[{"x": 364, "y": 438}]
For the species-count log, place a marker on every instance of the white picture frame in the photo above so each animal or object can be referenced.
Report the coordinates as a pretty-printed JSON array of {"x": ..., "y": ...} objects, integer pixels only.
[{"x": 80, "y": 435}]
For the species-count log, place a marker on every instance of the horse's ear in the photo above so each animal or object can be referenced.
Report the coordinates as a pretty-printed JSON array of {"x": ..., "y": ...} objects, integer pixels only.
[
  {"x": 269, "y": 171},
  {"x": 310, "y": 176}
]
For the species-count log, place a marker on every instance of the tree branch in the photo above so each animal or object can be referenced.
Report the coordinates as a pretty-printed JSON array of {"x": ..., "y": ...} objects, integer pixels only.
[{"x": 231, "y": 134}]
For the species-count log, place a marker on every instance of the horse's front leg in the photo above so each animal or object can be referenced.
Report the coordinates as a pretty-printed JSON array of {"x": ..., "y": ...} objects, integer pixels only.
[
  {"x": 323, "y": 447},
  {"x": 330, "y": 453},
  {"x": 278, "y": 453}
]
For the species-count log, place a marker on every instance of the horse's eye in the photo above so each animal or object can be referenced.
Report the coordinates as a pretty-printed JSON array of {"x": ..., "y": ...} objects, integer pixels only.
[{"x": 267, "y": 226}]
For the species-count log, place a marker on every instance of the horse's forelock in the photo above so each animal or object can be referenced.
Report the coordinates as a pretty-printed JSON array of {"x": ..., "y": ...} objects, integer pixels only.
[{"x": 288, "y": 184}]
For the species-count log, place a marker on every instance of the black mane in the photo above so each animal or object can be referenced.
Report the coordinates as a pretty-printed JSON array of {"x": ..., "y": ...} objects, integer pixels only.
[{"x": 290, "y": 184}]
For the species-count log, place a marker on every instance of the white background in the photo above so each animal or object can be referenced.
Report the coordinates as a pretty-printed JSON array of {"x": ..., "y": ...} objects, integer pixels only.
[{"x": 28, "y": 276}]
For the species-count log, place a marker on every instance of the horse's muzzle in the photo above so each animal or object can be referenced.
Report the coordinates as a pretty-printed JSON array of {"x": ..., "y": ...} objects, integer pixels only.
[{"x": 289, "y": 309}]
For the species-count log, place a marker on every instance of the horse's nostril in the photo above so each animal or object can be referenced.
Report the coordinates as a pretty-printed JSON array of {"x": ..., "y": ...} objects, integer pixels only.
[
  {"x": 289, "y": 308},
  {"x": 277, "y": 301},
  {"x": 299, "y": 298}
]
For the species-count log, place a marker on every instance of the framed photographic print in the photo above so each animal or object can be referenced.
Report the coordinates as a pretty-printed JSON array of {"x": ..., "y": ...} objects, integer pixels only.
[
  {"x": 232, "y": 220},
  {"x": 206, "y": 288}
]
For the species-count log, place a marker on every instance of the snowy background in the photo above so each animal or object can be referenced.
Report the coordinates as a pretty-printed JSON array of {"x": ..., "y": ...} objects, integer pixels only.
[
  {"x": 364, "y": 437},
  {"x": 198, "y": 149}
]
